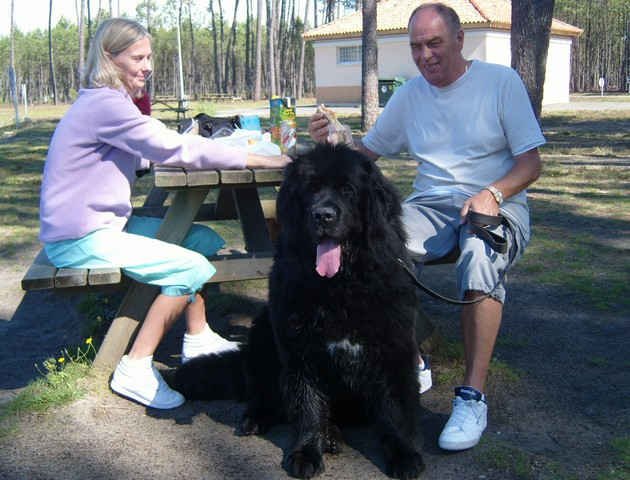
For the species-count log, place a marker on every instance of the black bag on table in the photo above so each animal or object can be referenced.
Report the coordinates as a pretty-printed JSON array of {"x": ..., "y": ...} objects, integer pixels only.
[{"x": 211, "y": 127}]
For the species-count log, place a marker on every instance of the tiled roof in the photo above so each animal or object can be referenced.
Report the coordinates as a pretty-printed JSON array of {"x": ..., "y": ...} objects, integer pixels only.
[{"x": 393, "y": 15}]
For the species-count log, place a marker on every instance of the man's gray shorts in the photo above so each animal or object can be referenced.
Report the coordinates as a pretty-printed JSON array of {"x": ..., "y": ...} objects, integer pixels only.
[{"x": 434, "y": 228}]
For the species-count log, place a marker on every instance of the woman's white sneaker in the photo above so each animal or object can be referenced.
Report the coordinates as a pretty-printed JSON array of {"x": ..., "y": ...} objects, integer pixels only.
[
  {"x": 205, "y": 343},
  {"x": 139, "y": 380},
  {"x": 467, "y": 422}
]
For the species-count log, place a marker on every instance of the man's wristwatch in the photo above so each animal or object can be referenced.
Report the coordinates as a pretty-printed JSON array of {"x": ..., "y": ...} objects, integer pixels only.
[{"x": 496, "y": 193}]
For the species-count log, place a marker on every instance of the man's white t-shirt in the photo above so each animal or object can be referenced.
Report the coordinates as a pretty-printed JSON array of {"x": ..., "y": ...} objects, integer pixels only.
[{"x": 464, "y": 136}]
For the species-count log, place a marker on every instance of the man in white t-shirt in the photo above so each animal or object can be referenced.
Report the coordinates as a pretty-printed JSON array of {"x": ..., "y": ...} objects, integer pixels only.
[{"x": 471, "y": 127}]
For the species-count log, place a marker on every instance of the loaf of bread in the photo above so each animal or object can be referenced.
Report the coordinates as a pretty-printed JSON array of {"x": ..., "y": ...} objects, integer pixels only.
[{"x": 337, "y": 131}]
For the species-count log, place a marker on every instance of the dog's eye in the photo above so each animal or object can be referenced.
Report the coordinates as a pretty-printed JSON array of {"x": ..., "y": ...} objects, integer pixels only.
[
  {"x": 347, "y": 191},
  {"x": 313, "y": 187}
]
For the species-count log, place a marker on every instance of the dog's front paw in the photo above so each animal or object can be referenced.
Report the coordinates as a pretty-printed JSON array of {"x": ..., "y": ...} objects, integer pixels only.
[
  {"x": 333, "y": 440},
  {"x": 254, "y": 425},
  {"x": 405, "y": 465},
  {"x": 305, "y": 463}
]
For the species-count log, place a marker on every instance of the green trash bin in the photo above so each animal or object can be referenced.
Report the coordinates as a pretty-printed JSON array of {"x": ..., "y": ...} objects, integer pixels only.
[{"x": 386, "y": 88}]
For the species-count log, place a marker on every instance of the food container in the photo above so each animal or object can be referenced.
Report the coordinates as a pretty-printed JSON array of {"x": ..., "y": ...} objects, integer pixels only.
[{"x": 283, "y": 123}]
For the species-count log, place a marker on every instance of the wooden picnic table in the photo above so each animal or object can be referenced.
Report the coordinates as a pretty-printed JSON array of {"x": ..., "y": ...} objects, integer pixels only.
[
  {"x": 238, "y": 198},
  {"x": 172, "y": 104}
]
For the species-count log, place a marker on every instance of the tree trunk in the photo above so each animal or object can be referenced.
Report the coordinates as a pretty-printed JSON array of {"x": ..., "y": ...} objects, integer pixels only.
[
  {"x": 531, "y": 24},
  {"x": 53, "y": 79},
  {"x": 281, "y": 52},
  {"x": 329, "y": 15},
  {"x": 81, "y": 26},
  {"x": 180, "y": 67},
  {"x": 215, "y": 46},
  {"x": 258, "y": 67},
  {"x": 151, "y": 82},
  {"x": 89, "y": 23},
  {"x": 230, "y": 63},
  {"x": 224, "y": 74},
  {"x": 12, "y": 79},
  {"x": 248, "y": 51},
  {"x": 300, "y": 83},
  {"x": 369, "y": 67},
  {"x": 625, "y": 68},
  {"x": 194, "y": 80},
  {"x": 271, "y": 47}
]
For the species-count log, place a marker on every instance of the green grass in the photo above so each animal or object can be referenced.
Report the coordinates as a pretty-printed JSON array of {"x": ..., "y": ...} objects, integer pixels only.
[
  {"x": 581, "y": 220},
  {"x": 62, "y": 382},
  {"x": 620, "y": 469},
  {"x": 513, "y": 462},
  {"x": 448, "y": 367}
]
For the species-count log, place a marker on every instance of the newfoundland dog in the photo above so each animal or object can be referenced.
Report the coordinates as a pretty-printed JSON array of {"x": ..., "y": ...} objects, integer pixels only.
[{"x": 337, "y": 339}]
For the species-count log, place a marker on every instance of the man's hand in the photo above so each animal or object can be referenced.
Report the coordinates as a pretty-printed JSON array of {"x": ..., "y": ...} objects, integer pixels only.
[
  {"x": 525, "y": 171},
  {"x": 318, "y": 127},
  {"x": 319, "y": 131},
  {"x": 483, "y": 202}
]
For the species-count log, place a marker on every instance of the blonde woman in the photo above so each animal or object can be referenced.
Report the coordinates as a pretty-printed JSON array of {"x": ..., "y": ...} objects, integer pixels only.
[{"x": 85, "y": 205}]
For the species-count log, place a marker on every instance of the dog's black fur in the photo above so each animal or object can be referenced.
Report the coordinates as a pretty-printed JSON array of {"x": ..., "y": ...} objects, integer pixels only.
[{"x": 329, "y": 347}]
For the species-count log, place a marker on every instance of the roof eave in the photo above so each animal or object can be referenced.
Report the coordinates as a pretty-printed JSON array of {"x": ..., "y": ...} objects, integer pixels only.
[{"x": 557, "y": 31}]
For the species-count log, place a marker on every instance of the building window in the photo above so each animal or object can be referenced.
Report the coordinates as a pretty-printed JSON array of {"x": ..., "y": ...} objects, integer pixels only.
[{"x": 346, "y": 55}]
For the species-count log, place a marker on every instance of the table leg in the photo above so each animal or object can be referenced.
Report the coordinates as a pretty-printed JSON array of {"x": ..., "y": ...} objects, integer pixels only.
[
  {"x": 139, "y": 297},
  {"x": 252, "y": 219}
]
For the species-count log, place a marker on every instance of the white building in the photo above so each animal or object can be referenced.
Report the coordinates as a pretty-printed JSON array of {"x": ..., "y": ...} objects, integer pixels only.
[{"x": 486, "y": 25}]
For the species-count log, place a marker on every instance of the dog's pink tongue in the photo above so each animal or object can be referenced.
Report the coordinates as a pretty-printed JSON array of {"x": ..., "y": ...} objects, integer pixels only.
[{"x": 328, "y": 258}]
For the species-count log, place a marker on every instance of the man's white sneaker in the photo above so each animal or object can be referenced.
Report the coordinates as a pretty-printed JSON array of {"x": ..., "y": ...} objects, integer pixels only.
[
  {"x": 424, "y": 374},
  {"x": 467, "y": 422},
  {"x": 205, "y": 343},
  {"x": 139, "y": 380}
]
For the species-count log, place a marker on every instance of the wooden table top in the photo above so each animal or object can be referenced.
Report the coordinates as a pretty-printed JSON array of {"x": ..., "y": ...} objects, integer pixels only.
[{"x": 176, "y": 177}]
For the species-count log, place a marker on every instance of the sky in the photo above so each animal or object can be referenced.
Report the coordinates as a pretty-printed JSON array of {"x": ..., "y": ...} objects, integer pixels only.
[{"x": 32, "y": 14}]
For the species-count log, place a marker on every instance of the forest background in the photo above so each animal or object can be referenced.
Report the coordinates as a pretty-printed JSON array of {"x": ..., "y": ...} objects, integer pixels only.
[{"x": 219, "y": 55}]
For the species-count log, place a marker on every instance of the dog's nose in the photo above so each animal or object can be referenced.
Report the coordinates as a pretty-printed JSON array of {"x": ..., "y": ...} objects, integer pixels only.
[{"x": 324, "y": 215}]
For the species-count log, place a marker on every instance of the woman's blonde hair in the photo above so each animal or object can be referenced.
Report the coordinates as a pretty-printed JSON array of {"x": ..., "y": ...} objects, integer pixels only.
[{"x": 112, "y": 37}]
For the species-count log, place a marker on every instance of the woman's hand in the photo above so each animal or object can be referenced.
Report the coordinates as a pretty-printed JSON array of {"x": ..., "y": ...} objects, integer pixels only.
[
  {"x": 264, "y": 161},
  {"x": 318, "y": 127}
]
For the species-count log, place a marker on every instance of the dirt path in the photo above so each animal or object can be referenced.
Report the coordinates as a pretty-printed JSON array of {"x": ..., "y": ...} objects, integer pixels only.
[
  {"x": 560, "y": 415},
  {"x": 555, "y": 421}
]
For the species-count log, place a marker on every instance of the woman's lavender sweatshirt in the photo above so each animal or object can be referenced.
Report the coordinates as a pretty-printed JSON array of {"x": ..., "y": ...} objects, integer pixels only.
[{"x": 94, "y": 153}]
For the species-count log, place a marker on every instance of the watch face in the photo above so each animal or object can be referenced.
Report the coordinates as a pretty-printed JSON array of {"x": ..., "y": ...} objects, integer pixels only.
[{"x": 496, "y": 193}]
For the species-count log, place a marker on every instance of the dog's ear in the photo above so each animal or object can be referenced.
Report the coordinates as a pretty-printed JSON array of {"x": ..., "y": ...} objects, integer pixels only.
[
  {"x": 288, "y": 201},
  {"x": 383, "y": 205},
  {"x": 384, "y": 196}
]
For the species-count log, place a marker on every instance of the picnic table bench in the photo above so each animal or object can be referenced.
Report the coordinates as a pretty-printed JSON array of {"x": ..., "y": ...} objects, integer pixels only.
[
  {"x": 220, "y": 97},
  {"x": 237, "y": 199}
]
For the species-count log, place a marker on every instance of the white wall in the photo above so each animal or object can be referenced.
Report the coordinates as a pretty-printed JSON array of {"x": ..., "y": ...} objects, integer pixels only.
[
  {"x": 394, "y": 59},
  {"x": 327, "y": 72},
  {"x": 558, "y": 72}
]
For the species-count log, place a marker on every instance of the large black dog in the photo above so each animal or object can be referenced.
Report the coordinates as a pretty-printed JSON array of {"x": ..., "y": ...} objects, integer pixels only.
[{"x": 338, "y": 335}]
